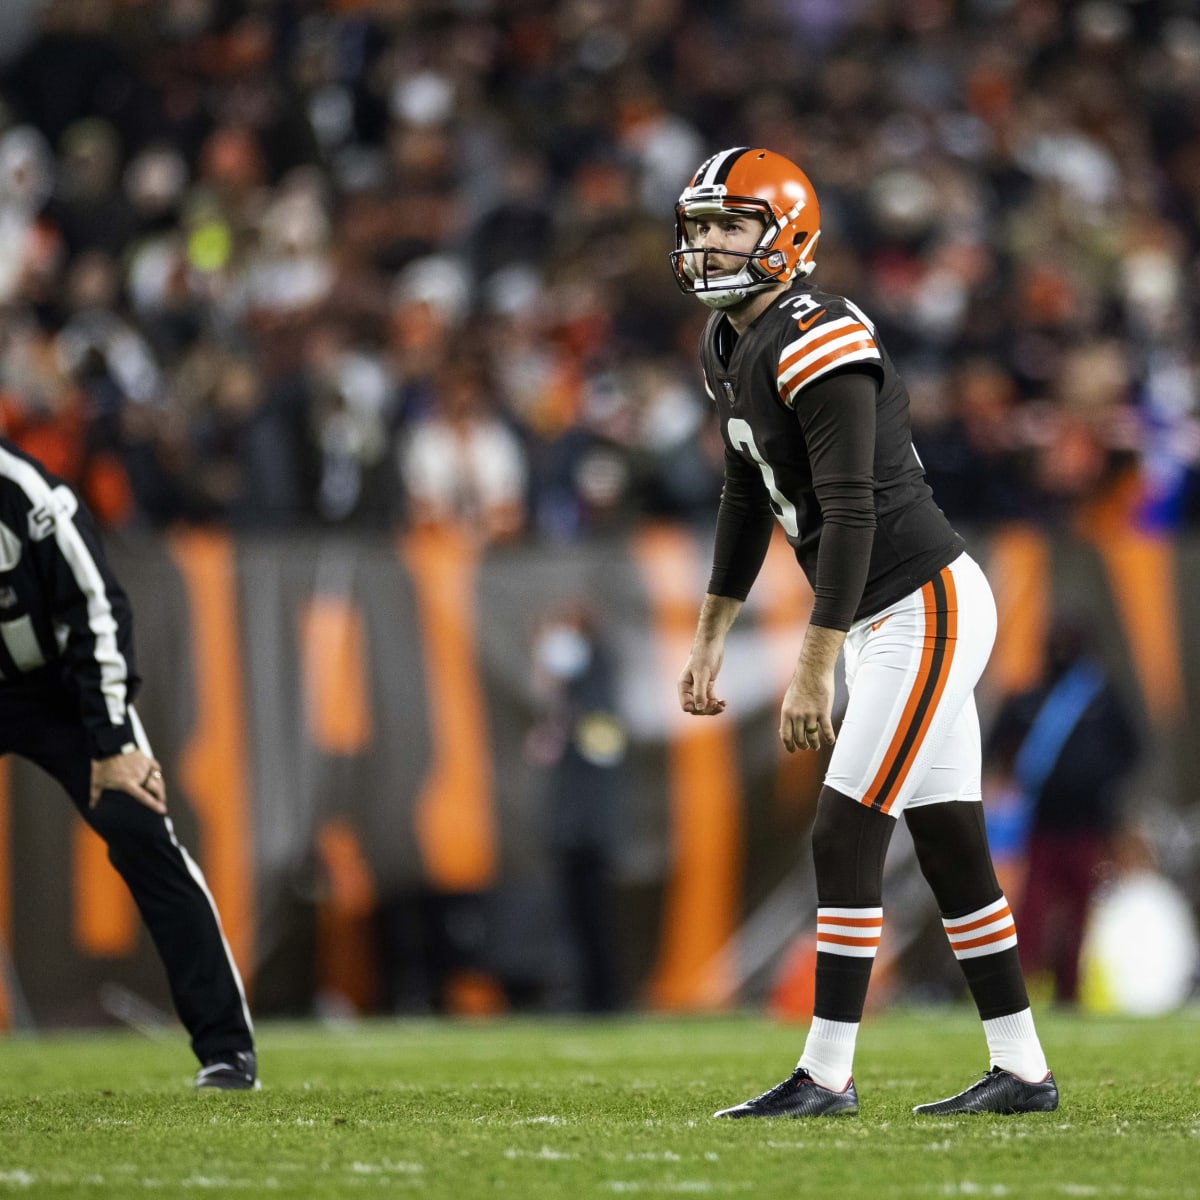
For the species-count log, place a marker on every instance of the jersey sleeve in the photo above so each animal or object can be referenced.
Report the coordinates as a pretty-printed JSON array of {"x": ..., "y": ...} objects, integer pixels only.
[
  {"x": 838, "y": 420},
  {"x": 91, "y": 616},
  {"x": 744, "y": 526},
  {"x": 824, "y": 342}
]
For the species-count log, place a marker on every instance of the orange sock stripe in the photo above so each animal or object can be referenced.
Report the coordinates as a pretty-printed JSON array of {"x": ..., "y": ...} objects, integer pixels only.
[
  {"x": 990, "y": 919},
  {"x": 1000, "y": 935},
  {"x": 842, "y": 940}
]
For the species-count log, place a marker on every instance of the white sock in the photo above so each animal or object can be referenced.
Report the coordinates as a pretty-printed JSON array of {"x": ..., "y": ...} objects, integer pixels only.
[
  {"x": 1014, "y": 1046},
  {"x": 829, "y": 1052}
]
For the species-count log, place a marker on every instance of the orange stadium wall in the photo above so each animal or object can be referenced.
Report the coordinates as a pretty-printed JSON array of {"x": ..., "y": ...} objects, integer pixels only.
[{"x": 343, "y": 724}]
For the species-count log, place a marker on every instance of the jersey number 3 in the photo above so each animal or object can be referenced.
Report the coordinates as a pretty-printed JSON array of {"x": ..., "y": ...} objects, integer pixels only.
[{"x": 742, "y": 437}]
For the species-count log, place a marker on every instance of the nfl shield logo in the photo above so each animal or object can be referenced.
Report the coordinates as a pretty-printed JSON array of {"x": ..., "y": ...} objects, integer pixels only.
[{"x": 728, "y": 390}]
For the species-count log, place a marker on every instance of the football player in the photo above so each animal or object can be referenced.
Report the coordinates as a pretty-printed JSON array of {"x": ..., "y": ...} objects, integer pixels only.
[{"x": 815, "y": 421}]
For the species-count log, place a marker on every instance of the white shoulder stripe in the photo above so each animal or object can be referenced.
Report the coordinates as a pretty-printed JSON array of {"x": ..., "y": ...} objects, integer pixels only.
[
  {"x": 818, "y": 333},
  {"x": 715, "y": 164},
  {"x": 839, "y": 362},
  {"x": 831, "y": 347}
]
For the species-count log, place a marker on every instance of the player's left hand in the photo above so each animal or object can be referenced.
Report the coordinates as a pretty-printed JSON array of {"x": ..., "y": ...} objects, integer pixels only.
[
  {"x": 135, "y": 773},
  {"x": 806, "y": 718}
]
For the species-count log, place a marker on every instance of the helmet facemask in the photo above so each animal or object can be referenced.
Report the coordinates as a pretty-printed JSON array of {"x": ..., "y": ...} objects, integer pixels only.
[{"x": 694, "y": 273}]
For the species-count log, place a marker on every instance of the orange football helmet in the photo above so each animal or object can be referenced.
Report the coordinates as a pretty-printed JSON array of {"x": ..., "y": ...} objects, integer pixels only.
[{"x": 754, "y": 182}]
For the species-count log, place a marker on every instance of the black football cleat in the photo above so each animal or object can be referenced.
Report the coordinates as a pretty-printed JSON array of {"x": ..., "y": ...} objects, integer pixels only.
[
  {"x": 799, "y": 1095},
  {"x": 235, "y": 1072},
  {"x": 997, "y": 1092}
]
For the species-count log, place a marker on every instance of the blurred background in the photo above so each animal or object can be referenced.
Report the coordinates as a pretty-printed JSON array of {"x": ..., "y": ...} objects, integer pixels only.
[{"x": 352, "y": 321}]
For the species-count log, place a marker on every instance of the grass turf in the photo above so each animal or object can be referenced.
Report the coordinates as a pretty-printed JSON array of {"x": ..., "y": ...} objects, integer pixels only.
[{"x": 532, "y": 1109}]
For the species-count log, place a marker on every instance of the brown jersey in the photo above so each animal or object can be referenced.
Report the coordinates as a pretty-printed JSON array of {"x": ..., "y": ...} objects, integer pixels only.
[{"x": 820, "y": 461}]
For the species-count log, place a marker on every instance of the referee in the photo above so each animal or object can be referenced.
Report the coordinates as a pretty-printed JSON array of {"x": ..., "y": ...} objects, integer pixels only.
[{"x": 67, "y": 685}]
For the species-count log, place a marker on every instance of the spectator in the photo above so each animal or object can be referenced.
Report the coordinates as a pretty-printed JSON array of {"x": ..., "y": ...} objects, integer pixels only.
[
  {"x": 461, "y": 466},
  {"x": 91, "y": 210},
  {"x": 243, "y": 449},
  {"x": 348, "y": 398},
  {"x": 580, "y": 743},
  {"x": 26, "y": 182},
  {"x": 1010, "y": 190},
  {"x": 1070, "y": 745}
]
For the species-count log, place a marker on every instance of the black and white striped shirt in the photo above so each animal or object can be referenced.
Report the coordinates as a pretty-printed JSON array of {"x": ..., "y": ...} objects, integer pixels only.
[{"x": 62, "y": 611}]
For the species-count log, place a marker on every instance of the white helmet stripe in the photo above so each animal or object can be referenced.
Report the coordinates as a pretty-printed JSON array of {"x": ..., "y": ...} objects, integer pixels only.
[{"x": 712, "y": 172}]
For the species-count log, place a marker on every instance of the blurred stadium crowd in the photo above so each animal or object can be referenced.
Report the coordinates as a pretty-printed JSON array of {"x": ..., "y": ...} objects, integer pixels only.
[{"x": 373, "y": 263}]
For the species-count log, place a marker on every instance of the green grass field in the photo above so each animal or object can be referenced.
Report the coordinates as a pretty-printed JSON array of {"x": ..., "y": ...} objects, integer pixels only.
[{"x": 526, "y": 1109}]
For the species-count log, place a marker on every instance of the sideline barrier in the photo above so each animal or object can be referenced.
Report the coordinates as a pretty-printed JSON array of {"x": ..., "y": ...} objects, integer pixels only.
[{"x": 382, "y": 689}]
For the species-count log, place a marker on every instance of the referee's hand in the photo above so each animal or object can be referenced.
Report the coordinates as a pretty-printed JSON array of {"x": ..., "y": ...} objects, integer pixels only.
[{"x": 135, "y": 773}]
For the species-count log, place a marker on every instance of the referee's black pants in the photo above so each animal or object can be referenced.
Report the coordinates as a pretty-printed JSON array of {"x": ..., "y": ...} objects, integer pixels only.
[{"x": 39, "y": 720}]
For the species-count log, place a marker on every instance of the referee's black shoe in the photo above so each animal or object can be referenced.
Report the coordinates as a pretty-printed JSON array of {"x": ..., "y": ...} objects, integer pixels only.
[
  {"x": 799, "y": 1095},
  {"x": 235, "y": 1072},
  {"x": 997, "y": 1092}
]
